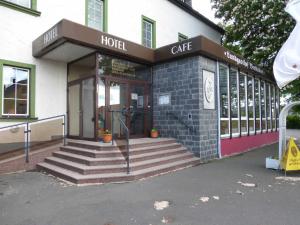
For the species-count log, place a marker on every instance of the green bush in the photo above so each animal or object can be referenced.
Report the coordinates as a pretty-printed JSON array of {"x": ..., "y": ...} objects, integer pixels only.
[{"x": 293, "y": 122}]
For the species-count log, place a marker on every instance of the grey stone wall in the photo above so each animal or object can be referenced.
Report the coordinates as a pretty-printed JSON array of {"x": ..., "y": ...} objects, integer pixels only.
[{"x": 185, "y": 118}]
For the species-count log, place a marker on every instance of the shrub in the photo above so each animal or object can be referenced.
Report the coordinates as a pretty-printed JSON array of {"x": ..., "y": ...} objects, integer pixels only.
[{"x": 293, "y": 122}]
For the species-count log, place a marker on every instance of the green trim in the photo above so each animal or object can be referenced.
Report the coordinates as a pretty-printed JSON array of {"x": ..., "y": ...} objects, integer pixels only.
[
  {"x": 31, "y": 11},
  {"x": 32, "y": 84},
  {"x": 153, "y": 22},
  {"x": 182, "y": 37},
  {"x": 105, "y": 14},
  {"x": 14, "y": 119}
]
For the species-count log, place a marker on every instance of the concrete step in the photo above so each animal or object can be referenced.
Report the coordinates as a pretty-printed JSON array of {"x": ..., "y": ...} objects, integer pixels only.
[
  {"x": 120, "y": 144},
  {"x": 90, "y": 161},
  {"x": 115, "y": 177},
  {"x": 117, "y": 152},
  {"x": 119, "y": 168}
]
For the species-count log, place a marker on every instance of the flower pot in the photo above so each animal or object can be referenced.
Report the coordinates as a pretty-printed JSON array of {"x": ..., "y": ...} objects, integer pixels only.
[
  {"x": 107, "y": 138},
  {"x": 154, "y": 134}
]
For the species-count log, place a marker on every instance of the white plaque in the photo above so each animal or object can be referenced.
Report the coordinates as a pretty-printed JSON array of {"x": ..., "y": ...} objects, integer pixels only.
[
  {"x": 134, "y": 96},
  {"x": 208, "y": 89},
  {"x": 164, "y": 99}
]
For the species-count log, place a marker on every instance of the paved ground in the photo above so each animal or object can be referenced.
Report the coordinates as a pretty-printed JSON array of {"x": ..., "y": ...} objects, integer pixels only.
[{"x": 33, "y": 198}]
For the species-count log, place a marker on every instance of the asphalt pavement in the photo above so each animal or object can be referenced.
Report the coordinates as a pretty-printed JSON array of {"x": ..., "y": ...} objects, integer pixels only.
[{"x": 231, "y": 191}]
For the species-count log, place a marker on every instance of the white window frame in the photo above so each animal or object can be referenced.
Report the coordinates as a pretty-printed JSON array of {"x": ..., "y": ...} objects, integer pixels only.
[
  {"x": 259, "y": 105},
  {"x": 145, "y": 40},
  {"x": 246, "y": 102},
  {"x": 15, "y": 99},
  {"x": 223, "y": 136},
  {"x": 237, "y": 134}
]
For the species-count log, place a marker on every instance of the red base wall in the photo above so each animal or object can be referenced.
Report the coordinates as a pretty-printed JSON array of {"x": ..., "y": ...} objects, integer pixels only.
[{"x": 246, "y": 143}]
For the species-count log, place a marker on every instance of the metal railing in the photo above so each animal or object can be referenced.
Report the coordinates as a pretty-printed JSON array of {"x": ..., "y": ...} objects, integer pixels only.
[
  {"x": 29, "y": 134},
  {"x": 125, "y": 128},
  {"x": 181, "y": 121}
]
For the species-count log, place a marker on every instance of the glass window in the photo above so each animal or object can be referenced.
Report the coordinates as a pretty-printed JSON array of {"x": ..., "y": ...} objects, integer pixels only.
[
  {"x": 95, "y": 14},
  {"x": 263, "y": 106},
  {"x": 273, "y": 115},
  {"x": 24, "y": 3},
  {"x": 224, "y": 101},
  {"x": 148, "y": 33},
  {"x": 15, "y": 91},
  {"x": 243, "y": 104},
  {"x": 250, "y": 93},
  {"x": 268, "y": 107},
  {"x": 257, "y": 105},
  {"x": 234, "y": 100},
  {"x": 277, "y": 106}
]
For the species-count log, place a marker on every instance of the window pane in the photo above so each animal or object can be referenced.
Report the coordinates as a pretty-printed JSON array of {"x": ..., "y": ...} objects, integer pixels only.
[
  {"x": 21, "y": 76},
  {"x": 263, "y": 105},
  {"x": 147, "y": 34},
  {"x": 95, "y": 14},
  {"x": 9, "y": 106},
  {"x": 224, "y": 127},
  {"x": 22, "y": 92},
  {"x": 21, "y": 107},
  {"x": 243, "y": 104},
  {"x": 234, "y": 101},
  {"x": 224, "y": 91},
  {"x": 25, "y": 3},
  {"x": 268, "y": 106},
  {"x": 257, "y": 104},
  {"x": 250, "y": 104},
  {"x": 9, "y": 91}
]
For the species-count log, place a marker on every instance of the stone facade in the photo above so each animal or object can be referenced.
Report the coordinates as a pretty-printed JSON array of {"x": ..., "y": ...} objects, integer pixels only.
[{"x": 185, "y": 117}]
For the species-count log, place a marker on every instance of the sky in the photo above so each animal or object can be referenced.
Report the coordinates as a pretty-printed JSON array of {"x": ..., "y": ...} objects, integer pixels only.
[{"x": 204, "y": 7}]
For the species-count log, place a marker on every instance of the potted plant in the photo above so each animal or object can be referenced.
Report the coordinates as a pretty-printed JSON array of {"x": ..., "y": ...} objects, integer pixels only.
[
  {"x": 154, "y": 133},
  {"x": 107, "y": 136}
]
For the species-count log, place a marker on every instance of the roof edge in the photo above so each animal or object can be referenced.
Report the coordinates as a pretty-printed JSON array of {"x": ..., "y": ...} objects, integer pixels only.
[{"x": 198, "y": 15}]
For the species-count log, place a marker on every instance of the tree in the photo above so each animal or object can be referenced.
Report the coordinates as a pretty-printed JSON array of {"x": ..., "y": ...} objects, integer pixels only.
[{"x": 256, "y": 29}]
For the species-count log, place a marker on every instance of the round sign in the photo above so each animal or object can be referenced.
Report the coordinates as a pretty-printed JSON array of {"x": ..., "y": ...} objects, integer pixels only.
[{"x": 209, "y": 89}]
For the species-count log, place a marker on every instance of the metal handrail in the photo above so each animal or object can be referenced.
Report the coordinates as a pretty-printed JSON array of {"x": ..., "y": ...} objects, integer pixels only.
[
  {"x": 28, "y": 131},
  {"x": 175, "y": 116},
  {"x": 127, "y": 143}
]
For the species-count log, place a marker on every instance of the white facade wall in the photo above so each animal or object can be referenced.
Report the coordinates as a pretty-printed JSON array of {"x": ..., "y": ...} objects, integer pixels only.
[
  {"x": 18, "y": 30},
  {"x": 124, "y": 20}
]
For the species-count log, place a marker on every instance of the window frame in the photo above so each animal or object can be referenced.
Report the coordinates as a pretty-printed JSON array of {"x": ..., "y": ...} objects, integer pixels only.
[
  {"x": 31, "y": 92},
  {"x": 153, "y": 31},
  {"x": 238, "y": 101},
  {"x": 245, "y": 118},
  {"x": 182, "y": 37},
  {"x": 229, "y": 104},
  {"x": 31, "y": 11},
  {"x": 105, "y": 15}
]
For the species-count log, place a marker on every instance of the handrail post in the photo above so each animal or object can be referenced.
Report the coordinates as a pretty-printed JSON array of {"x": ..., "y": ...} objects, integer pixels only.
[
  {"x": 127, "y": 137},
  {"x": 27, "y": 143},
  {"x": 112, "y": 127},
  {"x": 64, "y": 132}
]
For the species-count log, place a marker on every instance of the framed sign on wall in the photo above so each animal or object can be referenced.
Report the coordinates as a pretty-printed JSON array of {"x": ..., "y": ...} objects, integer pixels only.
[{"x": 209, "y": 90}]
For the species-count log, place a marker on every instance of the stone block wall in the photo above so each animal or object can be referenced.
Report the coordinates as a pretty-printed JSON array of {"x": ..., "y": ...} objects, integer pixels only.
[{"x": 185, "y": 117}]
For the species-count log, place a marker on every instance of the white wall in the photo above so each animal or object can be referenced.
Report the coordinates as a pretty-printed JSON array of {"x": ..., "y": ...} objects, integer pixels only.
[{"x": 125, "y": 21}]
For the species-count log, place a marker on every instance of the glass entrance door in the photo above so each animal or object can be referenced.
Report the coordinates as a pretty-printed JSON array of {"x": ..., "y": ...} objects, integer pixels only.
[
  {"x": 129, "y": 102},
  {"x": 81, "y": 109}
]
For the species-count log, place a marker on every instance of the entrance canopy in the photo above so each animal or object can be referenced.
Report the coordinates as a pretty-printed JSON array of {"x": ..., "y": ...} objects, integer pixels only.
[{"x": 67, "y": 41}]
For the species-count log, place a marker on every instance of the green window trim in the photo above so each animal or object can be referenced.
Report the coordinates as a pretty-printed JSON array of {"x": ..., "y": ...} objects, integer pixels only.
[
  {"x": 105, "y": 15},
  {"x": 31, "y": 11},
  {"x": 32, "y": 89},
  {"x": 144, "y": 18},
  {"x": 182, "y": 37}
]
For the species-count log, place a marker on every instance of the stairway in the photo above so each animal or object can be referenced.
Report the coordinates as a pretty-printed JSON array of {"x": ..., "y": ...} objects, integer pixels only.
[{"x": 83, "y": 162}]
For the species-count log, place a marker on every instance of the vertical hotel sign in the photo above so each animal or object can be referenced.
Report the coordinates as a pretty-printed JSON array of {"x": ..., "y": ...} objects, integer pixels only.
[{"x": 50, "y": 36}]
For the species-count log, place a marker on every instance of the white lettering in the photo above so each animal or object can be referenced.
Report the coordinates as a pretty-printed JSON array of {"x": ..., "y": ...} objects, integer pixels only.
[
  {"x": 181, "y": 48},
  {"x": 113, "y": 43},
  {"x": 50, "y": 35}
]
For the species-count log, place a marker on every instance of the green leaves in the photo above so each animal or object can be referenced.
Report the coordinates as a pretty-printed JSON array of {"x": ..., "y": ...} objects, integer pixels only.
[{"x": 256, "y": 29}]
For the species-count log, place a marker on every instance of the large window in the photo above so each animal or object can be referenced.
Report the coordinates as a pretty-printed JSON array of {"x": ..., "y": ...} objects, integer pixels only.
[
  {"x": 25, "y": 3},
  {"x": 257, "y": 105},
  {"x": 148, "y": 32},
  {"x": 250, "y": 104},
  {"x": 273, "y": 109},
  {"x": 263, "y": 106},
  {"x": 234, "y": 99},
  {"x": 15, "y": 91},
  {"x": 95, "y": 14},
  {"x": 268, "y": 107},
  {"x": 224, "y": 100},
  {"x": 243, "y": 104}
]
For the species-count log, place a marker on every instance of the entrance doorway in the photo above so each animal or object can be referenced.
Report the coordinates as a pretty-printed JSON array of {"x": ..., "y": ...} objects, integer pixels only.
[{"x": 128, "y": 101}]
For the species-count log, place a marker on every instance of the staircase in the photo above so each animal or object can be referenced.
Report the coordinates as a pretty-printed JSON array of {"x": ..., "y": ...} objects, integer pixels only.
[{"x": 83, "y": 162}]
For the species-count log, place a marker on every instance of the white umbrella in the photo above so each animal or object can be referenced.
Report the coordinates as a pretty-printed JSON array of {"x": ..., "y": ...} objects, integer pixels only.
[{"x": 286, "y": 67}]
